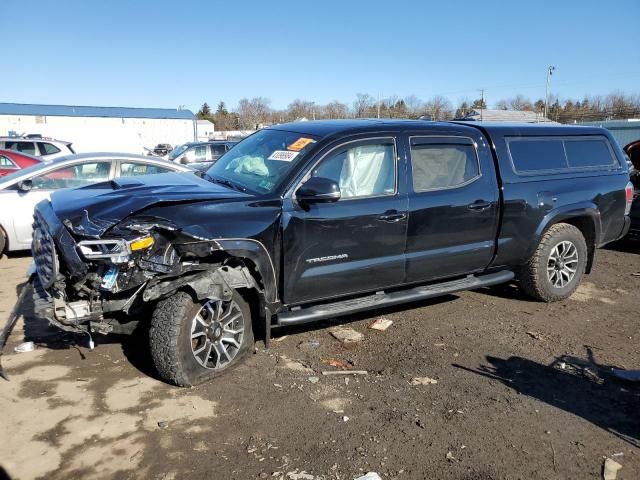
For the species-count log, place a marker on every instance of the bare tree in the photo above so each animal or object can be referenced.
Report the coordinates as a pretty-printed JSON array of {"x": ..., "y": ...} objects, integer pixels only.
[
  {"x": 363, "y": 105},
  {"x": 519, "y": 102},
  {"x": 299, "y": 109},
  {"x": 502, "y": 104},
  {"x": 252, "y": 113},
  {"x": 439, "y": 108},
  {"x": 335, "y": 109},
  {"x": 414, "y": 106}
]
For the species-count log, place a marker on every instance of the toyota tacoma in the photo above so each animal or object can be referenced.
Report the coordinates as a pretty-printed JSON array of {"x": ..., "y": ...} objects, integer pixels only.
[{"x": 305, "y": 221}]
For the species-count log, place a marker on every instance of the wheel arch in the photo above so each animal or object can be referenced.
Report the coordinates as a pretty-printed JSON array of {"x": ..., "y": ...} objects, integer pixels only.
[{"x": 585, "y": 217}]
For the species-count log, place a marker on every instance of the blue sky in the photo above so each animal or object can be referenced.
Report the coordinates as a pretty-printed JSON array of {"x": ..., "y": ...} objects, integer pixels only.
[{"x": 167, "y": 53}]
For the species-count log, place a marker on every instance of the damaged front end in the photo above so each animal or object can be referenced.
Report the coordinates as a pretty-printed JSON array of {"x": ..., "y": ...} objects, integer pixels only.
[{"x": 101, "y": 284}]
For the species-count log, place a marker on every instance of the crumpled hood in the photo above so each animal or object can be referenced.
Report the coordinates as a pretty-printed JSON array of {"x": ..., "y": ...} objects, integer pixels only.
[{"x": 90, "y": 211}]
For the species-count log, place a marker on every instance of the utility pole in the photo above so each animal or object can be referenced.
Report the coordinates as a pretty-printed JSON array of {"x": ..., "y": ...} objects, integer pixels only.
[
  {"x": 550, "y": 70},
  {"x": 379, "y": 105},
  {"x": 481, "y": 102}
]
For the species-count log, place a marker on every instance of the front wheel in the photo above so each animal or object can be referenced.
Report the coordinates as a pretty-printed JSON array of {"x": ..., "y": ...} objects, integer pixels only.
[
  {"x": 556, "y": 268},
  {"x": 192, "y": 342}
]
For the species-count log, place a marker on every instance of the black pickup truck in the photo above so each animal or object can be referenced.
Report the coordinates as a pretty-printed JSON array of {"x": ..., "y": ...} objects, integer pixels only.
[{"x": 311, "y": 220}]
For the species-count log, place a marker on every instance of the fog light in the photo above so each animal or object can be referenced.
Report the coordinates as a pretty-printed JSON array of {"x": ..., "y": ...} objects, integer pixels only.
[{"x": 141, "y": 243}]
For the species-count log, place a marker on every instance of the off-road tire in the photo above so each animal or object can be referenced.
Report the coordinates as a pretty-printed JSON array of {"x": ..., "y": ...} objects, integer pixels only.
[
  {"x": 170, "y": 337},
  {"x": 533, "y": 276}
]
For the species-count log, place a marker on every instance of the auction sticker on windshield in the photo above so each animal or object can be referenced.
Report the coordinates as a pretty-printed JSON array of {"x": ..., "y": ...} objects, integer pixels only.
[
  {"x": 283, "y": 155},
  {"x": 300, "y": 143}
]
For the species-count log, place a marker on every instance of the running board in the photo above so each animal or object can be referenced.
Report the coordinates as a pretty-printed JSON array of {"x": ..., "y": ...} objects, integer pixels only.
[{"x": 379, "y": 300}]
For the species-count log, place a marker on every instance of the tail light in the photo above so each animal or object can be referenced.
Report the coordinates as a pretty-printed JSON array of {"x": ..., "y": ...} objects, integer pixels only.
[{"x": 629, "y": 197}]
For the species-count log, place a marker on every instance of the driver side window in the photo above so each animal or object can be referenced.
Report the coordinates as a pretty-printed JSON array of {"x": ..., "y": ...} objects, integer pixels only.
[{"x": 362, "y": 169}]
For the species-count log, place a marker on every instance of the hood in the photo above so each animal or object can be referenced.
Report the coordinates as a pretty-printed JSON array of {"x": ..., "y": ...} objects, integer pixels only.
[{"x": 90, "y": 211}]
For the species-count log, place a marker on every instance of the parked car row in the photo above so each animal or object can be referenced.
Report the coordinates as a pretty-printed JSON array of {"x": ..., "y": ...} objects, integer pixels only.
[
  {"x": 21, "y": 190},
  {"x": 200, "y": 155},
  {"x": 46, "y": 148}
]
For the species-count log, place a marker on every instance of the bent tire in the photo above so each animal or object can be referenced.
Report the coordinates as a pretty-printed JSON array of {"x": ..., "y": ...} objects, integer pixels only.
[
  {"x": 556, "y": 268},
  {"x": 192, "y": 342}
]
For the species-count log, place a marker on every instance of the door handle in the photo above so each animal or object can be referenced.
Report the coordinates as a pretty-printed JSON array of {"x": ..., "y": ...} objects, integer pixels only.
[
  {"x": 392, "y": 216},
  {"x": 479, "y": 206}
]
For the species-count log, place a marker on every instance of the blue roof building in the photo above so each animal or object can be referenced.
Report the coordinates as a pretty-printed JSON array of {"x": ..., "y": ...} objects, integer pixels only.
[{"x": 29, "y": 109}]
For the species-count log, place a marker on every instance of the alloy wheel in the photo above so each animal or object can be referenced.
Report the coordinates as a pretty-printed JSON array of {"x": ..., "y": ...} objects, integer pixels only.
[
  {"x": 562, "y": 264},
  {"x": 217, "y": 332}
]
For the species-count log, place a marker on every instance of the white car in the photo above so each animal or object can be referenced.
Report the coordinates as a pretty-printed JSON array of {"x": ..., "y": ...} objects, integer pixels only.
[
  {"x": 22, "y": 190},
  {"x": 45, "y": 148}
]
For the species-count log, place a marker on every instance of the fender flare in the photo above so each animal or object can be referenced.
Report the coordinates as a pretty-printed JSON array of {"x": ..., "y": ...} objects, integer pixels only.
[
  {"x": 568, "y": 212},
  {"x": 259, "y": 255}
]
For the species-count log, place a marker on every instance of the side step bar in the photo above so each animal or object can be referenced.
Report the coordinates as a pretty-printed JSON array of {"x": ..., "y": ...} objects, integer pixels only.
[{"x": 378, "y": 300}]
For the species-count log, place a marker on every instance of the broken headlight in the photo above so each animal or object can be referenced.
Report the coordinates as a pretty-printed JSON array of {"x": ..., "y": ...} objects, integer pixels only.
[{"x": 114, "y": 250}]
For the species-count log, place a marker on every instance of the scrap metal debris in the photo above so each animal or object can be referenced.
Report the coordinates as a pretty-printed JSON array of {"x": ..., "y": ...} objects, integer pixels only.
[
  {"x": 346, "y": 335},
  {"x": 370, "y": 476},
  {"x": 334, "y": 362},
  {"x": 380, "y": 324},
  {"x": 345, "y": 372},
  {"x": 25, "y": 347},
  {"x": 610, "y": 469},
  {"x": 309, "y": 344},
  {"x": 423, "y": 381}
]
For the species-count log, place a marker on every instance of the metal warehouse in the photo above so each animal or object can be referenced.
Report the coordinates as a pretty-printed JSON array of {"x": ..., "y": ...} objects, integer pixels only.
[
  {"x": 624, "y": 131},
  {"x": 100, "y": 128}
]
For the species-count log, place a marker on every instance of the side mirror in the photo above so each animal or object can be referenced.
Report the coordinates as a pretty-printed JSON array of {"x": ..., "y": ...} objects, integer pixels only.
[
  {"x": 318, "y": 189},
  {"x": 25, "y": 185}
]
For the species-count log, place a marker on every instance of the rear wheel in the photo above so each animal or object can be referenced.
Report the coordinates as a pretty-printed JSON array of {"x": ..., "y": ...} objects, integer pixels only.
[
  {"x": 192, "y": 342},
  {"x": 555, "y": 270}
]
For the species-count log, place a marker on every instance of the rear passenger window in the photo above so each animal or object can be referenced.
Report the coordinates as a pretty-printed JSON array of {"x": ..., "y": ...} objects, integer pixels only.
[
  {"x": 537, "y": 154},
  {"x": 588, "y": 153},
  {"x": 558, "y": 154},
  {"x": 442, "y": 165},
  {"x": 48, "y": 149}
]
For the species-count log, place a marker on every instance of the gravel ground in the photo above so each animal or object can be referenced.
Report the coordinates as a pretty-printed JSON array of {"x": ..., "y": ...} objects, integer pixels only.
[{"x": 478, "y": 385}]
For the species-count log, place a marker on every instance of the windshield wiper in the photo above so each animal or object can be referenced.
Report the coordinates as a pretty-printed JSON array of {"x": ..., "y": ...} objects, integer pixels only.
[{"x": 225, "y": 182}]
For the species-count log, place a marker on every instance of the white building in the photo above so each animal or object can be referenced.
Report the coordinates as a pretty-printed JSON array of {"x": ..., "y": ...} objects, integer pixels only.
[
  {"x": 113, "y": 129},
  {"x": 206, "y": 130}
]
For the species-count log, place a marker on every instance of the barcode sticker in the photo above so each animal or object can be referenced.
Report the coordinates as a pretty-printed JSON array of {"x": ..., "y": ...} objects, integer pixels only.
[{"x": 283, "y": 155}]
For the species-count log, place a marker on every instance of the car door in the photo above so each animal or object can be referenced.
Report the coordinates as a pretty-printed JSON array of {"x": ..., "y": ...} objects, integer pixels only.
[
  {"x": 43, "y": 184},
  {"x": 453, "y": 205},
  {"x": 355, "y": 244}
]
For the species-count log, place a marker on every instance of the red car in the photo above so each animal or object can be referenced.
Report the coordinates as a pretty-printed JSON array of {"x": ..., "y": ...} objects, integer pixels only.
[{"x": 11, "y": 161}]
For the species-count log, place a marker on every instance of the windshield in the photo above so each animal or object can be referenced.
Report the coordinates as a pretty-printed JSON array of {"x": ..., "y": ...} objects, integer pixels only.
[
  {"x": 260, "y": 162},
  {"x": 178, "y": 151}
]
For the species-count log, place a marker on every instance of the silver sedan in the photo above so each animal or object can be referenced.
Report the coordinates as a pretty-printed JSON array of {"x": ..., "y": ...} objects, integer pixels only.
[{"x": 22, "y": 190}]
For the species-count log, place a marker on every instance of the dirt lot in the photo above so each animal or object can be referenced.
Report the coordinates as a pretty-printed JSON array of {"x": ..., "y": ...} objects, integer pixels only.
[{"x": 522, "y": 392}]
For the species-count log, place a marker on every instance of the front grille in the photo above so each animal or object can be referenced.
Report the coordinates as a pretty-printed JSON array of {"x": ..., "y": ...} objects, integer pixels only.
[{"x": 44, "y": 254}]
